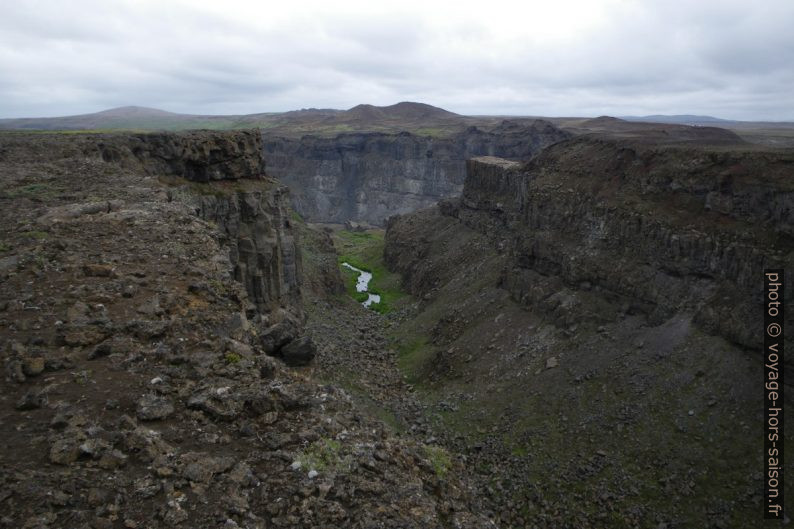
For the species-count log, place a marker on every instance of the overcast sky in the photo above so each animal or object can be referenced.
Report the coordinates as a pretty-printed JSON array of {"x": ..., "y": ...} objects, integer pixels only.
[{"x": 732, "y": 59}]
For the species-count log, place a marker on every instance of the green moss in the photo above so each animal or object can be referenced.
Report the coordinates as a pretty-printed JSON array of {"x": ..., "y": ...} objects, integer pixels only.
[
  {"x": 413, "y": 354},
  {"x": 5, "y": 247},
  {"x": 38, "y": 191}
]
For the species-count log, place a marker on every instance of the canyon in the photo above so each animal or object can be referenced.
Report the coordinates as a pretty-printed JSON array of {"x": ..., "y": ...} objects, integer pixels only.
[{"x": 568, "y": 334}]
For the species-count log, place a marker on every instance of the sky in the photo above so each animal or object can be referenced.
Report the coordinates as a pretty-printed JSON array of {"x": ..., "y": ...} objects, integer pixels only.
[{"x": 725, "y": 58}]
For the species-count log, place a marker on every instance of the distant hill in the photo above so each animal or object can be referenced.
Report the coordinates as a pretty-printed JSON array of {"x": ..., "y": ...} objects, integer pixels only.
[
  {"x": 401, "y": 116},
  {"x": 418, "y": 118},
  {"x": 404, "y": 110},
  {"x": 680, "y": 119},
  {"x": 123, "y": 118}
]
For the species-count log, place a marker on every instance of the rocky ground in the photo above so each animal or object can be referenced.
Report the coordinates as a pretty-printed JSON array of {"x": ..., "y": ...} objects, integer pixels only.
[{"x": 135, "y": 391}]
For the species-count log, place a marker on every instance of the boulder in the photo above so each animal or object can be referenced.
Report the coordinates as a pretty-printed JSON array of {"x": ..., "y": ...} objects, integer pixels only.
[
  {"x": 278, "y": 335},
  {"x": 299, "y": 352}
]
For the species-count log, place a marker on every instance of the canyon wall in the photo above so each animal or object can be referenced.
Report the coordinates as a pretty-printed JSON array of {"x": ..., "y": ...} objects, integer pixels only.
[
  {"x": 601, "y": 307},
  {"x": 371, "y": 176},
  {"x": 597, "y": 227}
]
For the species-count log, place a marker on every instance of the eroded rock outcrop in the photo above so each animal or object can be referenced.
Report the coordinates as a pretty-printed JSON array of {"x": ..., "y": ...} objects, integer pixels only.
[
  {"x": 222, "y": 176},
  {"x": 199, "y": 156},
  {"x": 370, "y": 176}
]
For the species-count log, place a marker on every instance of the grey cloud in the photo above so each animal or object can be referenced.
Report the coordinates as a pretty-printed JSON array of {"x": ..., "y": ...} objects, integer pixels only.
[{"x": 727, "y": 58}]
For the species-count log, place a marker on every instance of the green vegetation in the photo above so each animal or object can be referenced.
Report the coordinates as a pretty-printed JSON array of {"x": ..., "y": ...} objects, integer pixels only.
[
  {"x": 412, "y": 356},
  {"x": 323, "y": 455},
  {"x": 439, "y": 459},
  {"x": 433, "y": 132},
  {"x": 233, "y": 358},
  {"x": 36, "y": 234},
  {"x": 4, "y": 247},
  {"x": 39, "y": 191},
  {"x": 364, "y": 250}
]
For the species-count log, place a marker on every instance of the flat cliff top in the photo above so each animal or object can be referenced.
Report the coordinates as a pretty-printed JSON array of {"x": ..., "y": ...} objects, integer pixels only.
[{"x": 498, "y": 162}]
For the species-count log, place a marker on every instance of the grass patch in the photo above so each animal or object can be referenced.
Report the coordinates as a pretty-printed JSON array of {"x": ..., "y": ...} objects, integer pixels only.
[
  {"x": 364, "y": 250},
  {"x": 38, "y": 235},
  {"x": 439, "y": 459},
  {"x": 233, "y": 358},
  {"x": 412, "y": 357},
  {"x": 39, "y": 191},
  {"x": 323, "y": 455}
]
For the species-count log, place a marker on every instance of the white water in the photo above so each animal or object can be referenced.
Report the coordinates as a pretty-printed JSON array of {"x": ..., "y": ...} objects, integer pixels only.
[{"x": 362, "y": 284}]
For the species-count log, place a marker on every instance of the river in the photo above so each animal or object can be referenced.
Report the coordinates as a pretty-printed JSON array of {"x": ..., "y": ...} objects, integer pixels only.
[{"x": 362, "y": 284}]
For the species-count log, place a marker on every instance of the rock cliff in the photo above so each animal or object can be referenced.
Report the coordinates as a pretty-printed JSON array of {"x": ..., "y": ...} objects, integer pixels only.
[
  {"x": 250, "y": 210},
  {"x": 371, "y": 176},
  {"x": 597, "y": 227},
  {"x": 601, "y": 306}
]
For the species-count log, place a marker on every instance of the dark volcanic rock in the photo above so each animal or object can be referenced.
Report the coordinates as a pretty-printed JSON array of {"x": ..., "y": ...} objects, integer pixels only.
[
  {"x": 580, "y": 286},
  {"x": 276, "y": 336},
  {"x": 154, "y": 407},
  {"x": 299, "y": 352},
  {"x": 263, "y": 244},
  {"x": 211, "y": 265}
]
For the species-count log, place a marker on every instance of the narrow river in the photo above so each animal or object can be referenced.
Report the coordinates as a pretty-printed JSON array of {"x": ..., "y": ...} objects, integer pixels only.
[{"x": 362, "y": 284}]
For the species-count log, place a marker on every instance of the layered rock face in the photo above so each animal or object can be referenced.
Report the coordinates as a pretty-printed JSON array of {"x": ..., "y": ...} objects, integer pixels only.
[
  {"x": 369, "y": 176},
  {"x": 596, "y": 228},
  {"x": 263, "y": 245}
]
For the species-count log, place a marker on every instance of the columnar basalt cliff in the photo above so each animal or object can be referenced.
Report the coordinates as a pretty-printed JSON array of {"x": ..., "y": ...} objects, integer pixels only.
[
  {"x": 249, "y": 208},
  {"x": 371, "y": 176}
]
